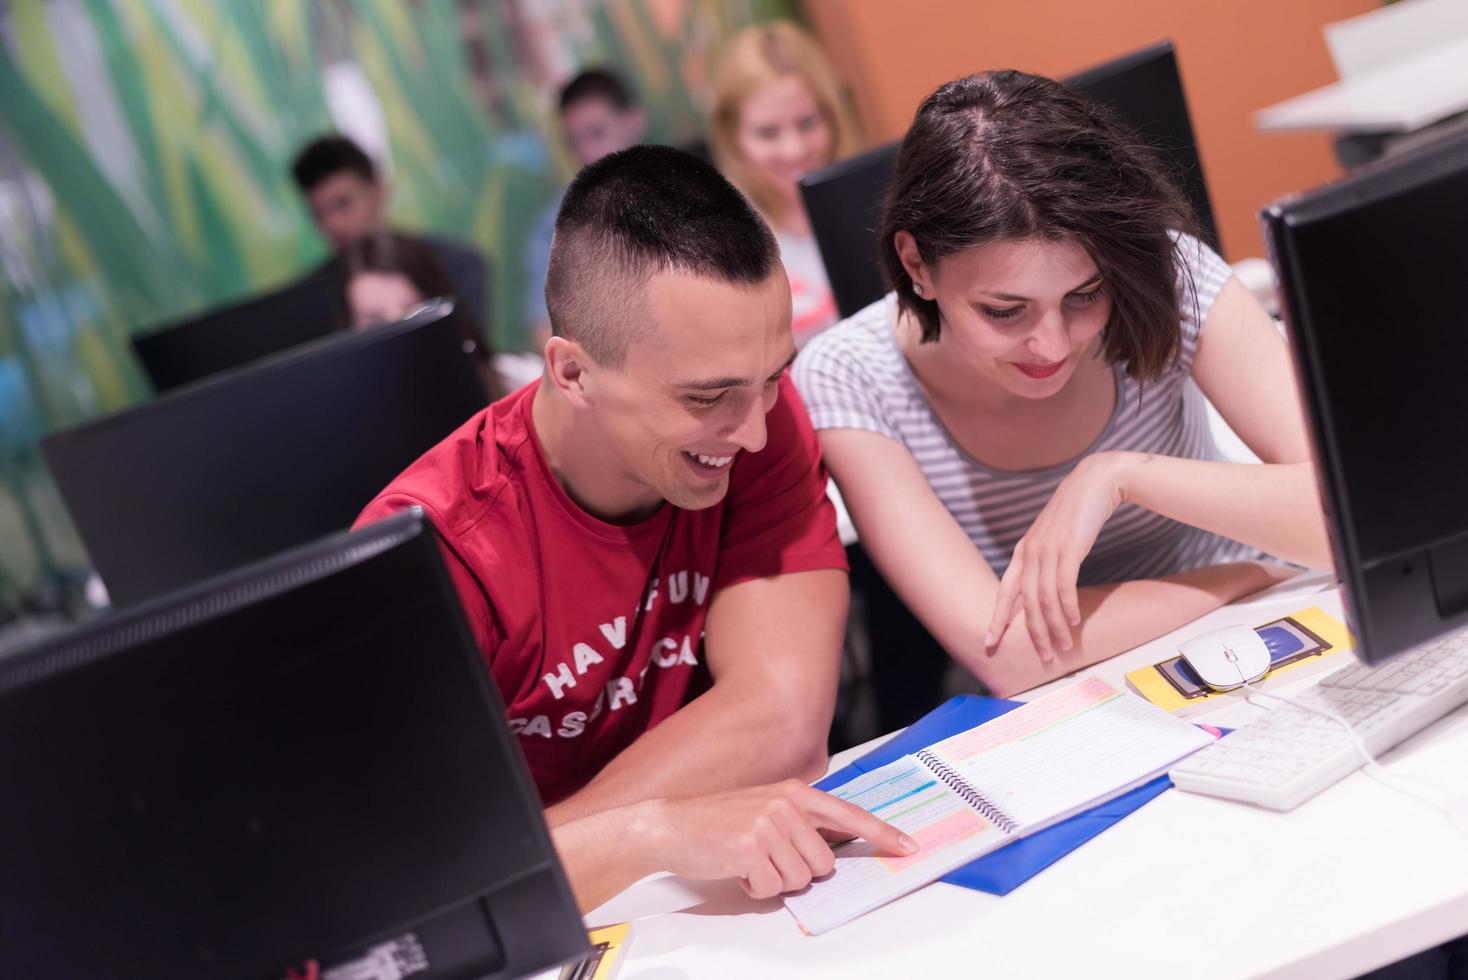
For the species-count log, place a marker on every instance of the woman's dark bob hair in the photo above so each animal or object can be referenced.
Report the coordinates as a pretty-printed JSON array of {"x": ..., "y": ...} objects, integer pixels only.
[{"x": 1003, "y": 155}]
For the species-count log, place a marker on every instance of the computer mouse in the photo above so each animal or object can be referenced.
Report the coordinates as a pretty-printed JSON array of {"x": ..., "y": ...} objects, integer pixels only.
[{"x": 1227, "y": 658}]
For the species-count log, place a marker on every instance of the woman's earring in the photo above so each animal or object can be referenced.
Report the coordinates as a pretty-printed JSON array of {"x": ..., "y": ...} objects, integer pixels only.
[{"x": 917, "y": 288}]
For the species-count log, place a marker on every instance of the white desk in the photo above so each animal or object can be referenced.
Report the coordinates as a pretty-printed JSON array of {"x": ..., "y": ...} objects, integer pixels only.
[
  {"x": 1186, "y": 886},
  {"x": 1396, "y": 98}
]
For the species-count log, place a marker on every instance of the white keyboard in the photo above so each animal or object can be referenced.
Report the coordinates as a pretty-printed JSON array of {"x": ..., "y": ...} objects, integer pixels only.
[{"x": 1284, "y": 758}]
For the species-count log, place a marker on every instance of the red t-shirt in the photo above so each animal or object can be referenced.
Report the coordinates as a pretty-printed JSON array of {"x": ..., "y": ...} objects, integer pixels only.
[{"x": 593, "y": 631}]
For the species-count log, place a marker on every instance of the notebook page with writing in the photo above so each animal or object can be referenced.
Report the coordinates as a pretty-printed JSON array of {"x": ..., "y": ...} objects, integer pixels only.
[
  {"x": 949, "y": 832},
  {"x": 1068, "y": 751},
  {"x": 978, "y": 790}
]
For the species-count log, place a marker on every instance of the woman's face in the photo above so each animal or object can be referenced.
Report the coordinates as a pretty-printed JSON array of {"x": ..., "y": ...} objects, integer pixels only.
[
  {"x": 380, "y": 297},
  {"x": 784, "y": 134},
  {"x": 1024, "y": 314}
]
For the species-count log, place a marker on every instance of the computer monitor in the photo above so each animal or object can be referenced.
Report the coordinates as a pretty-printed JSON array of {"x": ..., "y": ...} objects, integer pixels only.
[
  {"x": 237, "y": 335},
  {"x": 301, "y": 760},
  {"x": 1145, "y": 90},
  {"x": 844, "y": 202},
  {"x": 1371, "y": 271},
  {"x": 244, "y": 465}
]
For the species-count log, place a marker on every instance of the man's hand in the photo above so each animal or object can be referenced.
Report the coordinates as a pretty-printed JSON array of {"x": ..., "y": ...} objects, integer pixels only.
[{"x": 769, "y": 837}]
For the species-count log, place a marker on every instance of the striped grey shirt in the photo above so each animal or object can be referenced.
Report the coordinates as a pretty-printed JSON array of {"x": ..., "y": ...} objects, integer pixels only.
[{"x": 854, "y": 376}]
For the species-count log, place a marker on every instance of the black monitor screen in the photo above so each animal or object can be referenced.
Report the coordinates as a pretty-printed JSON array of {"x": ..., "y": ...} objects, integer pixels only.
[
  {"x": 234, "y": 336},
  {"x": 237, "y": 468},
  {"x": 844, "y": 201},
  {"x": 1372, "y": 270},
  {"x": 1145, "y": 90},
  {"x": 298, "y": 761}
]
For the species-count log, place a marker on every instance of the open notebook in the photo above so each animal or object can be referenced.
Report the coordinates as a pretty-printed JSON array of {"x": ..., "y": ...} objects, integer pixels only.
[{"x": 980, "y": 789}]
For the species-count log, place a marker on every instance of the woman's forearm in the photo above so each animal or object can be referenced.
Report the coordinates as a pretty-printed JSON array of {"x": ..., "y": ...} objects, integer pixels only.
[
  {"x": 1274, "y": 507},
  {"x": 1117, "y": 617}
]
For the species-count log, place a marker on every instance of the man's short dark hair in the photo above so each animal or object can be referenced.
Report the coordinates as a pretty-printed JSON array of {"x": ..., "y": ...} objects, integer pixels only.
[
  {"x": 328, "y": 155},
  {"x": 597, "y": 83},
  {"x": 634, "y": 213}
]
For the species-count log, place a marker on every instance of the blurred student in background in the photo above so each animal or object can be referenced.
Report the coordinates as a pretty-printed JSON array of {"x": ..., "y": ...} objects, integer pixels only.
[
  {"x": 348, "y": 201},
  {"x": 779, "y": 113},
  {"x": 386, "y": 276},
  {"x": 598, "y": 116}
]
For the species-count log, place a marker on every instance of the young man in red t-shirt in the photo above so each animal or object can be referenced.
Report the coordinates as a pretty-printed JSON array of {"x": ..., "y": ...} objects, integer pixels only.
[{"x": 644, "y": 549}]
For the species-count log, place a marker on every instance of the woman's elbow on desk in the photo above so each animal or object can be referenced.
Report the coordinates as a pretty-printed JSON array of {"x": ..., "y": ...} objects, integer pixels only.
[{"x": 1013, "y": 665}]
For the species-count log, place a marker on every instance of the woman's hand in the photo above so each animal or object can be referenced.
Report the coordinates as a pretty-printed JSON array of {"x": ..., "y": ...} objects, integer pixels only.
[{"x": 1041, "y": 577}]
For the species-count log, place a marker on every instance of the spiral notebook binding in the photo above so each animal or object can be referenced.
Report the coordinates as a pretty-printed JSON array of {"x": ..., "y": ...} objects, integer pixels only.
[{"x": 967, "y": 793}]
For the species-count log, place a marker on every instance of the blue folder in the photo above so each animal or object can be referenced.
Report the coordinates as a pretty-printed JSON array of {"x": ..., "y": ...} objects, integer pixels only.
[{"x": 998, "y": 872}]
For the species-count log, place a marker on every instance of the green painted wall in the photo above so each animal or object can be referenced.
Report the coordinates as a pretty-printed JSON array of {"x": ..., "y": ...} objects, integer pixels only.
[{"x": 144, "y": 152}]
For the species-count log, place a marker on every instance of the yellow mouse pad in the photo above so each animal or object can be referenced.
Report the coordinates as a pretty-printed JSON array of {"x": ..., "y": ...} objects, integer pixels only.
[
  {"x": 1302, "y": 643},
  {"x": 608, "y": 951}
]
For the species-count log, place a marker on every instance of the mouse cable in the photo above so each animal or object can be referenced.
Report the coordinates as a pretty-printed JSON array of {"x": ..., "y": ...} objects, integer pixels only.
[{"x": 1443, "y": 803}]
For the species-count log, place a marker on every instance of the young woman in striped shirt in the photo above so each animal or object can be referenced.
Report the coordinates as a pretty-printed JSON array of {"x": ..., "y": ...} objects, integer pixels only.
[{"x": 1019, "y": 430}]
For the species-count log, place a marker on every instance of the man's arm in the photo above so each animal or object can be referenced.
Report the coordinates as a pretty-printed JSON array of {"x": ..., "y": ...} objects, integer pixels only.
[{"x": 773, "y": 646}]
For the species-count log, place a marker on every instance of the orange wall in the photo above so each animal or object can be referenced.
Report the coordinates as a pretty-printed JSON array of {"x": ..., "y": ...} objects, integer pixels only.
[{"x": 1235, "y": 57}]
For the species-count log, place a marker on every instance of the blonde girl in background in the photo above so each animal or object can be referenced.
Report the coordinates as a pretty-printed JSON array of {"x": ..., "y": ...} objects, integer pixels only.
[{"x": 779, "y": 112}]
